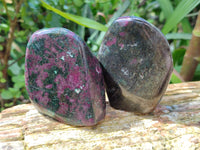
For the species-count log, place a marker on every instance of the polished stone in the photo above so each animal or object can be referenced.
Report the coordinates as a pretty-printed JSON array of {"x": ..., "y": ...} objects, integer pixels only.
[
  {"x": 63, "y": 79},
  {"x": 137, "y": 64}
]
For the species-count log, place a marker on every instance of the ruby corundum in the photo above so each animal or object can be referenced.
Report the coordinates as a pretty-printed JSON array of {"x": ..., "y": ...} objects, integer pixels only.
[
  {"x": 137, "y": 64},
  {"x": 63, "y": 79}
]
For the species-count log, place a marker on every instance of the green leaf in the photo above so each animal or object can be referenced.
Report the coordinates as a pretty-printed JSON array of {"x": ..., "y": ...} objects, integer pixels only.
[
  {"x": 6, "y": 94},
  {"x": 33, "y": 4},
  {"x": 29, "y": 21},
  {"x": 78, "y": 3},
  {"x": 166, "y": 7},
  {"x": 2, "y": 39},
  {"x": 2, "y": 80},
  {"x": 19, "y": 78},
  {"x": 62, "y": 2},
  {"x": 186, "y": 25},
  {"x": 9, "y": 104},
  {"x": 18, "y": 94},
  {"x": 15, "y": 69},
  {"x": 178, "y": 36},
  {"x": 119, "y": 12},
  {"x": 183, "y": 8},
  {"x": 175, "y": 79},
  {"x": 15, "y": 92},
  {"x": 19, "y": 81},
  {"x": 178, "y": 68},
  {"x": 193, "y": 14},
  {"x": 1, "y": 47},
  {"x": 178, "y": 55},
  {"x": 19, "y": 85},
  {"x": 55, "y": 20},
  {"x": 197, "y": 74},
  {"x": 77, "y": 19},
  {"x": 4, "y": 27}
]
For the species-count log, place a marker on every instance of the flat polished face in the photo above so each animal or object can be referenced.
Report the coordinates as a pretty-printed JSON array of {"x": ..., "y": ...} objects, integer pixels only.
[
  {"x": 63, "y": 79},
  {"x": 137, "y": 64}
]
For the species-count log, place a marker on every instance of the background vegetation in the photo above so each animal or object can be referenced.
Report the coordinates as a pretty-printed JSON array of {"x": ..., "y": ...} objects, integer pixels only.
[{"x": 90, "y": 19}]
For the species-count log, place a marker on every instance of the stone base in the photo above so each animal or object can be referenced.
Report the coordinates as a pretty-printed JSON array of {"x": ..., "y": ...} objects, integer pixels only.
[{"x": 175, "y": 124}]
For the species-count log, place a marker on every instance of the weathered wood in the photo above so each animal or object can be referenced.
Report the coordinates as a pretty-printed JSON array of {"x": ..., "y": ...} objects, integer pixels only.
[{"x": 175, "y": 124}]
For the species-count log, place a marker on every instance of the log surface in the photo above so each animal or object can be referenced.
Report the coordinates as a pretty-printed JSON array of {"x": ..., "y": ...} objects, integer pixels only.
[{"x": 175, "y": 124}]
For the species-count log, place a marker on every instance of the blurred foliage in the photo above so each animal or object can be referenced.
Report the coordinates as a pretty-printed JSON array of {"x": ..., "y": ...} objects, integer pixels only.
[{"x": 174, "y": 17}]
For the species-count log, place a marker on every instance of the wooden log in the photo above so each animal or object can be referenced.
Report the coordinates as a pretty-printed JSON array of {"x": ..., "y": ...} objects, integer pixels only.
[{"x": 175, "y": 124}]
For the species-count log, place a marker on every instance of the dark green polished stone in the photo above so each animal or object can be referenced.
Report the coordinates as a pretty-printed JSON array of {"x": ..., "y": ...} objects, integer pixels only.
[
  {"x": 63, "y": 79},
  {"x": 137, "y": 64}
]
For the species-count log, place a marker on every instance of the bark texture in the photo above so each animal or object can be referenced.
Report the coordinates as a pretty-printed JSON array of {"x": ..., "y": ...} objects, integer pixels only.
[
  {"x": 175, "y": 124},
  {"x": 192, "y": 54}
]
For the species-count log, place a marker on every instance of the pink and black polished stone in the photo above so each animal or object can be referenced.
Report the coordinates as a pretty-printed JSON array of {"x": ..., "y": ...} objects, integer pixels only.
[
  {"x": 63, "y": 79},
  {"x": 137, "y": 64}
]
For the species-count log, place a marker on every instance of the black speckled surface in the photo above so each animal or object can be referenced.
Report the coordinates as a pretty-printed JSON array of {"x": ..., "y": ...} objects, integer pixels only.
[{"x": 137, "y": 64}]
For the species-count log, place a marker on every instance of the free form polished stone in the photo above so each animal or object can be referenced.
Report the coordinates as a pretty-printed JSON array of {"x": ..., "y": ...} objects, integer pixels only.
[
  {"x": 137, "y": 64},
  {"x": 63, "y": 79}
]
